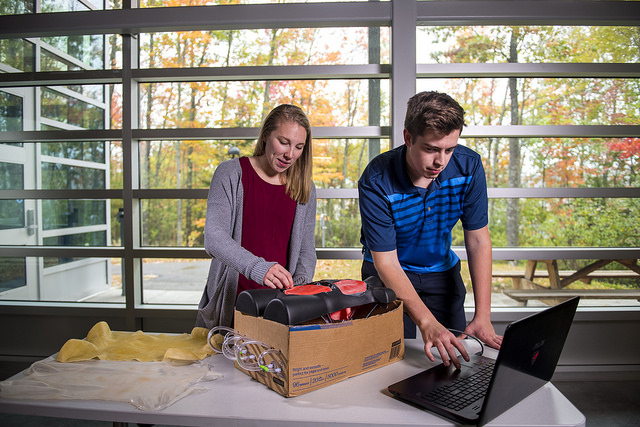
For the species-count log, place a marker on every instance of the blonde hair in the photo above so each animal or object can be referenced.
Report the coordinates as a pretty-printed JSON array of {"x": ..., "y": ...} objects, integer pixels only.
[{"x": 298, "y": 177}]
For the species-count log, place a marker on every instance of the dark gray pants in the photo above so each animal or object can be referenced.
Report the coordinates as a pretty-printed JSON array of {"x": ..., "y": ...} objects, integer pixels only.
[{"x": 443, "y": 293}]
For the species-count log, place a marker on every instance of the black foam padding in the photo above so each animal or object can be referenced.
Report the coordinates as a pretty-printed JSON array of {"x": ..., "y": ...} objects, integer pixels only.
[
  {"x": 275, "y": 305},
  {"x": 295, "y": 309},
  {"x": 254, "y": 301}
]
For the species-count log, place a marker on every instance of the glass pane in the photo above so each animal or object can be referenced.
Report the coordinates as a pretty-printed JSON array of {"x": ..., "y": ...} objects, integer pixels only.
[
  {"x": 60, "y": 176},
  {"x": 114, "y": 96},
  {"x": 74, "y": 213},
  {"x": 533, "y": 44},
  {"x": 96, "y": 238},
  {"x": 560, "y": 162},
  {"x": 11, "y": 211},
  {"x": 72, "y": 111},
  {"x": 16, "y": 7},
  {"x": 64, "y": 222},
  {"x": 63, "y": 175},
  {"x": 173, "y": 281},
  {"x": 178, "y": 222},
  {"x": 87, "y": 151},
  {"x": 242, "y": 104},
  {"x": 338, "y": 223},
  {"x": 10, "y": 112},
  {"x": 185, "y": 164},
  {"x": 550, "y": 101},
  {"x": 328, "y": 269},
  {"x": 65, "y": 5},
  {"x": 11, "y": 176},
  {"x": 116, "y": 213},
  {"x": 115, "y": 165},
  {"x": 281, "y": 46},
  {"x": 11, "y": 214},
  {"x": 13, "y": 274},
  {"x": 338, "y": 163},
  {"x": 88, "y": 49},
  {"x": 79, "y": 280},
  {"x": 582, "y": 222},
  {"x": 17, "y": 53},
  {"x": 95, "y": 92},
  {"x": 113, "y": 292}
]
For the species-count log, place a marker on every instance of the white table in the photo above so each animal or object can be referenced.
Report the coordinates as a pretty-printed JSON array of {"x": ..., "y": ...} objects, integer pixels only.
[{"x": 237, "y": 400}]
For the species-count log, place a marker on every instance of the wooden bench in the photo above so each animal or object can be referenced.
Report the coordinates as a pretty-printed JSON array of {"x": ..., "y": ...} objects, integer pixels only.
[
  {"x": 525, "y": 288},
  {"x": 598, "y": 274},
  {"x": 553, "y": 296},
  {"x": 525, "y": 280}
]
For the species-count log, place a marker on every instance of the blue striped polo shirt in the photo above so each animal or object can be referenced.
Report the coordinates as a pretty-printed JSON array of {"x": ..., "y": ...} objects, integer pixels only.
[{"x": 417, "y": 222}]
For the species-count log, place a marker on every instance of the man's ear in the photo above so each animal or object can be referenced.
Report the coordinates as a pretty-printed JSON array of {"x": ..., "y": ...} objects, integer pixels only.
[{"x": 407, "y": 137}]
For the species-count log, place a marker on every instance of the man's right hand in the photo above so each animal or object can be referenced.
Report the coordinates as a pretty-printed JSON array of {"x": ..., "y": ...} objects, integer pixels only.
[
  {"x": 433, "y": 332},
  {"x": 436, "y": 335}
]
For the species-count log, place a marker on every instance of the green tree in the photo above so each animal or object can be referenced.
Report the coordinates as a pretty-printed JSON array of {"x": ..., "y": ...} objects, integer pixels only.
[{"x": 565, "y": 162}]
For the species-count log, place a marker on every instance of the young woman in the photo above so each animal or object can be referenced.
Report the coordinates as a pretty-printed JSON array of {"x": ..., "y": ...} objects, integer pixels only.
[{"x": 261, "y": 217}]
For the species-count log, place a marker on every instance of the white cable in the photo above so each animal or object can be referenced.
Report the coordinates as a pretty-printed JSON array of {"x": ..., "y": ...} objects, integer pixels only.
[
  {"x": 215, "y": 330},
  {"x": 242, "y": 350}
]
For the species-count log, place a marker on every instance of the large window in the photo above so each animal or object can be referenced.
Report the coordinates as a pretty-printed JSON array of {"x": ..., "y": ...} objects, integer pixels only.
[
  {"x": 54, "y": 164},
  {"x": 108, "y": 141}
]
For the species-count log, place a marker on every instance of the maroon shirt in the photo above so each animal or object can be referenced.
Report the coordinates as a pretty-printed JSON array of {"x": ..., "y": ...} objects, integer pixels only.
[{"x": 267, "y": 218}]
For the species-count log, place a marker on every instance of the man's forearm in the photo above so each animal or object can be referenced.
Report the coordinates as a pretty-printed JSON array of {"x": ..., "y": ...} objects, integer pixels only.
[{"x": 478, "y": 244}]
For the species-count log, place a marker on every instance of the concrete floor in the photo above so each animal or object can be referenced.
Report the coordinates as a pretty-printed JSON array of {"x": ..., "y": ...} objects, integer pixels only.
[{"x": 604, "y": 403}]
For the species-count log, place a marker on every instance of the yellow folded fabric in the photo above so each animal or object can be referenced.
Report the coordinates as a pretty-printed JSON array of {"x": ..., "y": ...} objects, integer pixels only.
[{"x": 102, "y": 343}]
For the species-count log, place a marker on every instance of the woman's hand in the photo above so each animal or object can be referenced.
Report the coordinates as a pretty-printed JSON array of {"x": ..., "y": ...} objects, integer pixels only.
[{"x": 278, "y": 278}]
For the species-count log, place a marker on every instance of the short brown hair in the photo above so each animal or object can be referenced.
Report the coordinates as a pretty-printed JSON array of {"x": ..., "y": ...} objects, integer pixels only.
[
  {"x": 433, "y": 111},
  {"x": 299, "y": 175}
]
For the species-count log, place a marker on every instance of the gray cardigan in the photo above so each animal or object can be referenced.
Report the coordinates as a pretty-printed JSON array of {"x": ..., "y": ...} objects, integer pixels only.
[{"x": 222, "y": 237}]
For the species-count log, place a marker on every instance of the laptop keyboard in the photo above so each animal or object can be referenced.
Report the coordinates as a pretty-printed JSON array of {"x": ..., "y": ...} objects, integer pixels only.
[{"x": 462, "y": 392}]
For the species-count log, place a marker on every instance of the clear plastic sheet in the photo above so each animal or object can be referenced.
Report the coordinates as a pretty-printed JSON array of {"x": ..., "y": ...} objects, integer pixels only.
[{"x": 145, "y": 385}]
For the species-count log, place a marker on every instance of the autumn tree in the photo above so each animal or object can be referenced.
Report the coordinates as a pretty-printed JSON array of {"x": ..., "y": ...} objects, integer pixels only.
[
  {"x": 188, "y": 164},
  {"x": 549, "y": 162}
]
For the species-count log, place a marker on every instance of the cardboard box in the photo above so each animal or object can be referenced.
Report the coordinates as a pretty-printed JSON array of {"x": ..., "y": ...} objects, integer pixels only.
[{"x": 319, "y": 354}]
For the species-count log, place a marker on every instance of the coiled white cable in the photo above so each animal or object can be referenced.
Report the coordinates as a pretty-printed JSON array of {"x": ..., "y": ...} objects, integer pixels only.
[{"x": 243, "y": 350}]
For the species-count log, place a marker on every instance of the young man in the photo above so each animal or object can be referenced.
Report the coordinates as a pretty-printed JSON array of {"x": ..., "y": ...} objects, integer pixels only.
[{"x": 410, "y": 199}]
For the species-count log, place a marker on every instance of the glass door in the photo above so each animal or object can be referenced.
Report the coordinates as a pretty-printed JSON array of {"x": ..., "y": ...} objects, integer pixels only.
[{"x": 18, "y": 217}]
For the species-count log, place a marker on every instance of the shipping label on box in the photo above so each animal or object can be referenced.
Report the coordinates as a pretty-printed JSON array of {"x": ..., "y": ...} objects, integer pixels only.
[{"x": 316, "y": 355}]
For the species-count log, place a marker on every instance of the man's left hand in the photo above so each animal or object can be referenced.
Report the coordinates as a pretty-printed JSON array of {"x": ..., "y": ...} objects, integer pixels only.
[{"x": 484, "y": 332}]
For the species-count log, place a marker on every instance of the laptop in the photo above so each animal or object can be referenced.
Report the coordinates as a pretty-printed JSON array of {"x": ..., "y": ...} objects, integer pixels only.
[{"x": 484, "y": 388}]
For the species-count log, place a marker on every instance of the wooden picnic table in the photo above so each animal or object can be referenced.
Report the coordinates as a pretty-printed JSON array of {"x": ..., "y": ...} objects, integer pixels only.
[{"x": 525, "y": 287}]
